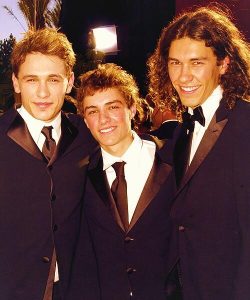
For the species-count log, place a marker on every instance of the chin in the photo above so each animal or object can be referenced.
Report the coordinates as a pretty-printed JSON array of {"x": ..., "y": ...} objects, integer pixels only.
[{"x": 191, "y": 103}]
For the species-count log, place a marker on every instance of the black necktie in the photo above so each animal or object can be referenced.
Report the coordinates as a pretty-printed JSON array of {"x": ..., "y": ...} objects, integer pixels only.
[
  {"x": 49, "y": 145},
  {"x": 119, "y": 192},
  {"x": 48, "y": 149},
  {"x": 188, "y": 119},
  {"x": 184, "y": 142}
]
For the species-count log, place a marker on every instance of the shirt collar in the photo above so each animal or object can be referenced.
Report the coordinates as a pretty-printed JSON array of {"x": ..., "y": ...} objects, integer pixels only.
[
  {"x": 129, "y": 156},
  {"x": 211, "y": 104},
  {"x": 35, "y": 126}
]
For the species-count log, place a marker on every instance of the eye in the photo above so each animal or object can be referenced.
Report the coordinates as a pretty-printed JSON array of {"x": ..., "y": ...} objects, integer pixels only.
[
  {"x": 54, "y": 80},
  {"x": 91, "y": 112},
  {"x": 30, "y": 80},
  {"x": 113, "y": 107},
  {"x": 174, "y": 63},
  {"x": 197, "y": 63}
]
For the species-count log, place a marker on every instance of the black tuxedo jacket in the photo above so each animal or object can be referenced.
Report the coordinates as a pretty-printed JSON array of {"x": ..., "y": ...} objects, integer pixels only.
[
  {"x": 166, "y": 130},
  {"x": 212, "y": 211},
  {"x": 40, "y": 205},
  {"x": 118, "y": 263}
]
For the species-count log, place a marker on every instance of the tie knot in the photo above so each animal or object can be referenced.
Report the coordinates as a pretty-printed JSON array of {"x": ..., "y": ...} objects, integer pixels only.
[
  {"x": 119, "y": 168},
  {"x": 188, "y": 119},
  {"x": 47, "y": 132}
]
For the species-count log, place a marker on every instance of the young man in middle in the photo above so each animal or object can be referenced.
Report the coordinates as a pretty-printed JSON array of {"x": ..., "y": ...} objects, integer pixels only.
[{"x": 127, "y": 217}]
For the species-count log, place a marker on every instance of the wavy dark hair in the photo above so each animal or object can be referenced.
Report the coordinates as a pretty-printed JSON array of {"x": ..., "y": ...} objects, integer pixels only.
[
  {"x": 213, "y": 25},
  {"x": 110, "y": 75}
]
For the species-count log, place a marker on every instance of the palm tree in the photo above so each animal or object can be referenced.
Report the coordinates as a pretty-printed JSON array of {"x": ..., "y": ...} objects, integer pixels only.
[
  {"x": 38, "y": 13},
  {"x": 53, "y": 15}
]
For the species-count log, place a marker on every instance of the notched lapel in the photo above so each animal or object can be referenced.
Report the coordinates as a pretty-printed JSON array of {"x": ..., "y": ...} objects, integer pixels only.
[
  {"x": 99, "y": 181},
  {"x": 157, "y": 177},
  {"x": 19, "y": 133}
]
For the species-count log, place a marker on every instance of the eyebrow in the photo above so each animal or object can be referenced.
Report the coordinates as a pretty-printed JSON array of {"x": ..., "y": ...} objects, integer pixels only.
[
  {"x": 191, "y": 59},
  {"x": 37, "y": 76},
  {"x": 106, "y": 104}
]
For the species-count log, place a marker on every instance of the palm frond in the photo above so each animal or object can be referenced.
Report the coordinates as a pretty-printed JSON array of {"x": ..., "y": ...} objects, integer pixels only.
[
  {"x": 37, "y": 13},
  {"x": 53, "y": 15},
  {"x": 10, "y": 11}
]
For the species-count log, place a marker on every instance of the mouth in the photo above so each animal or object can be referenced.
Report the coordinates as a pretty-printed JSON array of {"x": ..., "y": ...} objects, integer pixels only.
[
  {"x": 43, "y": 105},
  {"x": 189, "y": 89},
  {"x": 107, "y": 130}
]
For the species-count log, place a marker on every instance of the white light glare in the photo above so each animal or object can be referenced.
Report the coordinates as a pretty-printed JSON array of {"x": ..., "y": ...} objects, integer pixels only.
[{"x": 105, "y": 39}]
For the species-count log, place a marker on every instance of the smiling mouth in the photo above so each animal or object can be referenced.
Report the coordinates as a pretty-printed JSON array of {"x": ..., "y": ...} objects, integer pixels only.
[
  {"x": 189, "y": 89},
  {"x": 107, "y": 130}
]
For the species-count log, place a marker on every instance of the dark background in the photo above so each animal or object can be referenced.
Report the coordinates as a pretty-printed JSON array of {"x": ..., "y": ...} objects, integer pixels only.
[{"x": 139, "y": 24}]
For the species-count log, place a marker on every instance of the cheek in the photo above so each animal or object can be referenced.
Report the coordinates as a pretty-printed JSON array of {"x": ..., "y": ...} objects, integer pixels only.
[
  {"x": 175, "y": 72},
  {"x": 205, "y": 75},
  {"x": 91, "y": 123},
  {"x": 116, "y": 117},
  {"x": 172, "y": 75},
  {"x": 125, "y": 119}
]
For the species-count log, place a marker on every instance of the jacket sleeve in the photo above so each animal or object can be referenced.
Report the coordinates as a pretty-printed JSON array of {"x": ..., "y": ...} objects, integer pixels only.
[{"x": 84, "y": 284}]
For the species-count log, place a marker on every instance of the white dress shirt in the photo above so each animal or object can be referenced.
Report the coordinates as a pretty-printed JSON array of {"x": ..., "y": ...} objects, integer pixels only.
[
  {"x": 209, "y": 108},
  {"x": 35, "y": 127},
  {"x": 139, "y": 159}
]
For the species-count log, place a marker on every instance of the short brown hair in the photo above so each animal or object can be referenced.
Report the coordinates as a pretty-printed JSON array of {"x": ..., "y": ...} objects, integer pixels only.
[
  {"x": 107, "y": 76},
  {"x": 47, "y": 41}
]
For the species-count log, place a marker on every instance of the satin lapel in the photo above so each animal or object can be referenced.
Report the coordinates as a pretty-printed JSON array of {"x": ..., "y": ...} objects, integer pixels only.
[
  {"x": 208, "y": 141},
  {"x": 98, "y": 177},
  {"x": 99, "y": 181},
  {"x": 157, "y": 176},
  {"x": 68, "y": 134},
  {"x": 18, "y": 132}
]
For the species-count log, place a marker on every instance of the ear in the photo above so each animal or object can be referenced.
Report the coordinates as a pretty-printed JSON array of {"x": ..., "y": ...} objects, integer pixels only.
[
  {"x": 86, "y": 122},
  {"x": 15, "y": 84},
  {"x": 70, "y": 83},
  {"x": 224, "y": 65},
  {"x": 132, "y": 111}
]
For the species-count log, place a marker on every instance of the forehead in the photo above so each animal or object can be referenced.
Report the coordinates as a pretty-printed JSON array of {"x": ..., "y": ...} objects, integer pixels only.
[
  {"x": 104, "y": 97},
  {"x": 40, "y": 64},
  {"x": 187, "y": 49}
]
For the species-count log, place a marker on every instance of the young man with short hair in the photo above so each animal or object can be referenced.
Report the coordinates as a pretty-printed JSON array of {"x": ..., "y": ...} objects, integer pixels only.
[{"x": 41, "y": 180}]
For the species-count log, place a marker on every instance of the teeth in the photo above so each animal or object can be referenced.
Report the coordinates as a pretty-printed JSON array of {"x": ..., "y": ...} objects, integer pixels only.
[
  {"x": 106, "y": 130},
  {"x": 189, "y": 88}
]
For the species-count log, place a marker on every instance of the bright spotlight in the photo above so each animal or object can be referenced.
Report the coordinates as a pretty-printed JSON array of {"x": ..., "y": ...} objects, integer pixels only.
[{"x": 105, "y": 39}]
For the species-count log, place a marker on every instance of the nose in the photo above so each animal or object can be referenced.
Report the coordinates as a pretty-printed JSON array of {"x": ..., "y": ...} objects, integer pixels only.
[
  {"x": 42, "y": 90},
  {"x": 103, "y": 117},
  {"x": 185, "y": 74}
]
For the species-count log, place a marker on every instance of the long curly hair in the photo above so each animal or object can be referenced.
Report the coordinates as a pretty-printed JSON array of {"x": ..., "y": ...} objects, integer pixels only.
[{"x": 213, "y": 25}]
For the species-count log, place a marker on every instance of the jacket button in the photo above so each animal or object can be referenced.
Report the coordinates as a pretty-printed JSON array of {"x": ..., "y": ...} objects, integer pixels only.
[
  {"x": 45, "y": 259},
  {"x": 130, "y": 270},
  {"x": 53, "y": 197},
  {"x": 181, "y": 228},
  {"x": 128, "y": 239}
]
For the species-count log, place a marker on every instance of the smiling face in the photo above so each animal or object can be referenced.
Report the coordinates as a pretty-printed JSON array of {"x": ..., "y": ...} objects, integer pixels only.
[
  {"x": 42, "y": 83},
  {"x": 194, "y": 70},
  {"x": 109, "y": 119}
]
